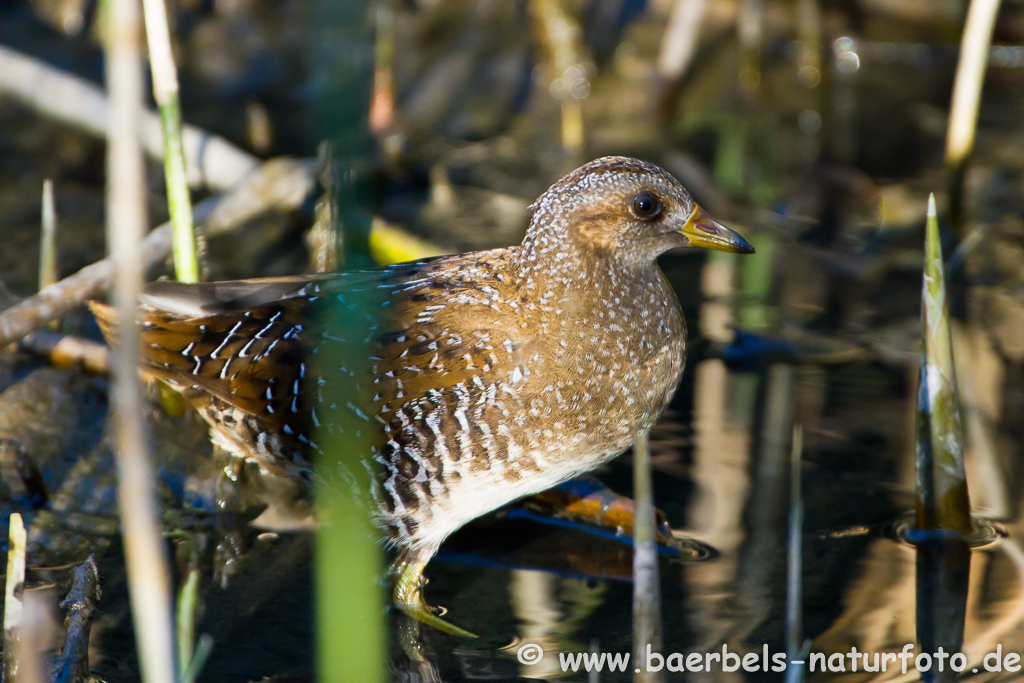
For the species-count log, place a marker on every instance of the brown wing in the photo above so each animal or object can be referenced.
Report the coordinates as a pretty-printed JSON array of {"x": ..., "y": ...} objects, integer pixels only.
[
  {"x": 252, "y": 359},
  {"x": 241, "y": 370},
  {"x": 253, "y": 347},
  {"x": 244, "y": 342}
]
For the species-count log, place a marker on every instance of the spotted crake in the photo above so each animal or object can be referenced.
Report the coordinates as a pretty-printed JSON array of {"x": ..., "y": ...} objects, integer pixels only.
[{"x": 488, "y": 376}]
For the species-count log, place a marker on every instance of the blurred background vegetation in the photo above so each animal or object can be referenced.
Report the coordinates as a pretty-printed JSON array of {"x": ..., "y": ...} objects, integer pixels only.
[{"x": 818, "y": 128}]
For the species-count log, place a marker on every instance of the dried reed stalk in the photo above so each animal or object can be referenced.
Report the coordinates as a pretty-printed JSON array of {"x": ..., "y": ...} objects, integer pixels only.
[{"x": 145, "y": 554}]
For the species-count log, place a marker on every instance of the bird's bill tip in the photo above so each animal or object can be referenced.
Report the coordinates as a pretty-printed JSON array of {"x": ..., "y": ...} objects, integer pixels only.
[{"x": 704, "y": 231}]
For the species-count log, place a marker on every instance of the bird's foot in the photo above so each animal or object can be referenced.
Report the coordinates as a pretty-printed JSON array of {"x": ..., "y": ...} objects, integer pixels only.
[{"x": 408, "y": 597}]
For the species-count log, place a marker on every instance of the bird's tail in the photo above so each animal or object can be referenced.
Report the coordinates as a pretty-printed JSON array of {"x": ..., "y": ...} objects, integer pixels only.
[{"x": 106, "y": 317}]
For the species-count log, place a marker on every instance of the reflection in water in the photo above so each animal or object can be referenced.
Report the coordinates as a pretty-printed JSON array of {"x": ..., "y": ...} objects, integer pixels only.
[
  {"x": 864, "y": 590},
  {"x": 943, "y": 570},
  {"x": 979, "y": 373},
  {"x": 996, "y": 620},
  {"x": 536, "y": 607},
  {"x": 720, "y": 469},
  {"x": 551, "y": 612}
]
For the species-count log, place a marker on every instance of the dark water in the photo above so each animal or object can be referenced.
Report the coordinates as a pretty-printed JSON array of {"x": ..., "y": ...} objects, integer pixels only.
[{"x": 827, "y": 172}]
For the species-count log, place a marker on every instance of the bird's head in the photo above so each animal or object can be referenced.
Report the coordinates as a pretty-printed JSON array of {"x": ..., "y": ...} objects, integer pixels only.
[{"x": 627, "y": 209}]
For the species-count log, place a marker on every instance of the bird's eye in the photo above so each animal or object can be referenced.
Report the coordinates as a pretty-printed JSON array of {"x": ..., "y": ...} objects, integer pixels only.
[{"x": 646, "y": 206}]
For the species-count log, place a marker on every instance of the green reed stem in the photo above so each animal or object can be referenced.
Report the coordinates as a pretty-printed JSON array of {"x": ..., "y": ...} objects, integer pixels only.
[
  {"x": 186, "y": 243},
  {"x": 350, "y": 623},
  {"x": 188, "y": 595},
  {"x": 350, "y": 607},
  {"x": 351, "y": 631},
  {"x": 942, "y": 499},
  {"x": 203, "y": 648}
]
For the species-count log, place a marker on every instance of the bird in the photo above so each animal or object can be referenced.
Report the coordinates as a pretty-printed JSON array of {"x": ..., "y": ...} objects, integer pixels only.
[{"x": 485, "y": 377}]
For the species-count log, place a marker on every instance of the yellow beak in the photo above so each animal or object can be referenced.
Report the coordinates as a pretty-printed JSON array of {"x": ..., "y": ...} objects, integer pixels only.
[{"x": 704, "y": 231}]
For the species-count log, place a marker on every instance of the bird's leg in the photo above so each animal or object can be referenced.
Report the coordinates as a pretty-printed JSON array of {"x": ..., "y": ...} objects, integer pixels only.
[{"x": 408, "y": 593}]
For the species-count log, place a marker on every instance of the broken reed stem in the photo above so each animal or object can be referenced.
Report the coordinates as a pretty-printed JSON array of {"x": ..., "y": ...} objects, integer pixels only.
[
  {"x": 145, "y": 554},
  {"x": 963, "y": 113},
  {"x": 942, "y": 498},
  {"x": 646, "y": 585},
  {"x": 13, "y": 590},
  {"x": 166, "y": 93},
  {"x": 48, "y": 239}
]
